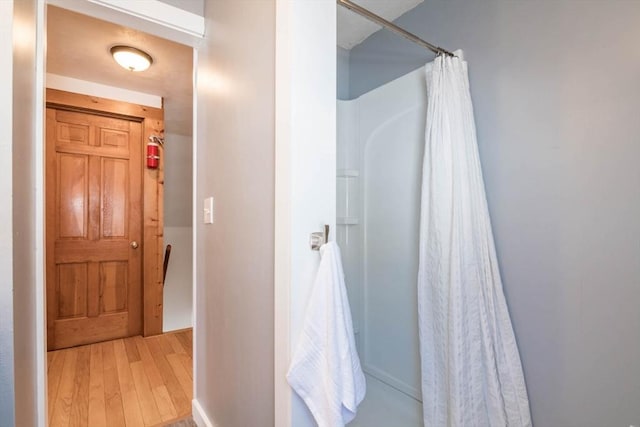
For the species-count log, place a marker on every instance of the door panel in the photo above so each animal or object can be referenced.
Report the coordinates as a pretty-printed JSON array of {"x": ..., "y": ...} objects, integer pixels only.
[
  {"x": 72, "y": 133},
  {"x": 114, "y": 138},
  {"x": 94, "y": 197},
  {"x": 115, "y": 193},
  {"x": 72, "y": 192},
  {"x": 113, "y": 287},
  {"x": 72, "y": 290}
]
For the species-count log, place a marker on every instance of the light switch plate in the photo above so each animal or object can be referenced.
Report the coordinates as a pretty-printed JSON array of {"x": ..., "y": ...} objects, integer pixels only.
[{"x": 208, "y": 210}]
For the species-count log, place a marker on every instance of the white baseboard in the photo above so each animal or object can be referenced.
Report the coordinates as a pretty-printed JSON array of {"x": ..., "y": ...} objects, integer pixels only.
[{"x": 199, "y": 416}]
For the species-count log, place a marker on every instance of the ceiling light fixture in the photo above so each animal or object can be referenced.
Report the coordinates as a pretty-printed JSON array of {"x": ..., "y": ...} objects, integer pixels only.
[{"x": 131, "y": 58}]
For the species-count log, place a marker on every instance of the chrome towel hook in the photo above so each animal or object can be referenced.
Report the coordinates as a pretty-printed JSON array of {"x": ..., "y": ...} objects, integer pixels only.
[{"x": 319, "y": 238}]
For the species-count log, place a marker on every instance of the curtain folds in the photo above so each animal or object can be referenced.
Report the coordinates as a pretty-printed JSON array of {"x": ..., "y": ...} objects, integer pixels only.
[{"x": 471, "y": 370}]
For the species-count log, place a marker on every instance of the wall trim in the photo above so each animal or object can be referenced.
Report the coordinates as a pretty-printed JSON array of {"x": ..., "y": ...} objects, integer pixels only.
[
  {"x": 97, "y": 105},
  {"x": 283, "y": 220},
  {"x": 305, "y": 179},
  {"x": 195, "y": 206},
  {"x": 160, "y": 13},
  {"x": 40, "y": 248},
  {"x": 199, "y": 415},
  {"x": 151, "y": 16}
]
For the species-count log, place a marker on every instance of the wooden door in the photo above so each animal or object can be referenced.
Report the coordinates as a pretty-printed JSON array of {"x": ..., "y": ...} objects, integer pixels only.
[{"x": 93, "y": 228}]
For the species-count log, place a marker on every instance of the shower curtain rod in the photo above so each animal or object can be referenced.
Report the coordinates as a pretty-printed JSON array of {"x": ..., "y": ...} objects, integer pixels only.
[{"x": 391, "y": 26}]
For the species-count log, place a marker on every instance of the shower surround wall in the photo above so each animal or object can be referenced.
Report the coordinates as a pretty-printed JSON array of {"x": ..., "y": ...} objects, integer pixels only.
[
  {"x": 380, "y": 146},
  {"x": 555, "y": 86}
]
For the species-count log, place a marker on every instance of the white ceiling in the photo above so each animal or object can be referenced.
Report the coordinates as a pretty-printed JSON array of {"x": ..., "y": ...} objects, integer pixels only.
[
  {"x": 78, "y": 46},
  {"x": 354, "y": 29}
]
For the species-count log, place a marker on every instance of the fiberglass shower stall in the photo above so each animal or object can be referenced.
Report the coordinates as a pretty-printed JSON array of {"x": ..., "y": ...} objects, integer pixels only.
[{"x": 380, "y": 146}]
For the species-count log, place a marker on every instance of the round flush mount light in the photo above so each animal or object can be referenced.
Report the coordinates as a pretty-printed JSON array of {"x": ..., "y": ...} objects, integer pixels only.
[{"x": 131, "y": 58}]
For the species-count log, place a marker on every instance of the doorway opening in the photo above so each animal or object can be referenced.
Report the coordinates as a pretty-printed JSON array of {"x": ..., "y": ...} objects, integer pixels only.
[{"x": 121, "y": 347}]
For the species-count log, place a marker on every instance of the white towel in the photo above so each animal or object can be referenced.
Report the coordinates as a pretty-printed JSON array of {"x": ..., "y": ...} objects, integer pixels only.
[{"x": 325, "y": 370}]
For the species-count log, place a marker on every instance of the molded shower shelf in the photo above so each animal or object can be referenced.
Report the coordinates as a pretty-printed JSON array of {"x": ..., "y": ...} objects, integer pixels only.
[
  {"x": 347, "y": 220},
  {"x": 348, "y": 173}
]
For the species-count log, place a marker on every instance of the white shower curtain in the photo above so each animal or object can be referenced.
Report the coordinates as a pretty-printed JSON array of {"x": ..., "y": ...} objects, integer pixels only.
[{"x": 471, "y": 370}]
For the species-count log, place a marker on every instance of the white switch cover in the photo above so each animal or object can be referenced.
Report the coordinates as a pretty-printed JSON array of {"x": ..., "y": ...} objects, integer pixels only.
[{"x": 208, "y": 210}]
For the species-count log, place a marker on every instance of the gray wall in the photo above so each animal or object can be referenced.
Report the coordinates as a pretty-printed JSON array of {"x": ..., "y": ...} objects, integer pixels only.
[
  {"x": 343, "y": 73},
  {"x": 178, "y": 215},
  {"x": 234, "y": 275},
  {"x": 178, "y": 180},
  {"x": 556, "y": 89}
]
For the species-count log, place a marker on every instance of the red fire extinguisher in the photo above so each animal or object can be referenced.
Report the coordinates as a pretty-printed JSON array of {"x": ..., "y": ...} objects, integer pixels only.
[{"x": 153, "y": 152}]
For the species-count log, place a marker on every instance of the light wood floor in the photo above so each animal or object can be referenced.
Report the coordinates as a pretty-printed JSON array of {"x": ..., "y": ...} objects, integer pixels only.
[{"x": 131, "y": 382}]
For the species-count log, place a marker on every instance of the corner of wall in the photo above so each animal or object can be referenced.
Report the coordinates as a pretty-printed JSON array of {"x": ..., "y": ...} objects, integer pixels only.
[
  {"x": 199, "y": 415},
  {"x": 343, "y": 73}
]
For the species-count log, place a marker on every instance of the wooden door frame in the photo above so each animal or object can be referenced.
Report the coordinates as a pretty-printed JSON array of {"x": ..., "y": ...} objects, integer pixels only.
[{"x": 152, "y": 120}]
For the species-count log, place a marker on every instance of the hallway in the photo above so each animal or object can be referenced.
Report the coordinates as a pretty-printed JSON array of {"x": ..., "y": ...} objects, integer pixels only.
[{"x": 129, "y": 382}]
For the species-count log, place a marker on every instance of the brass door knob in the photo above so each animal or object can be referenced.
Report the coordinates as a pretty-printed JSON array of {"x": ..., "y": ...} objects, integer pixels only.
[{"x": 134, "y": 244}]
